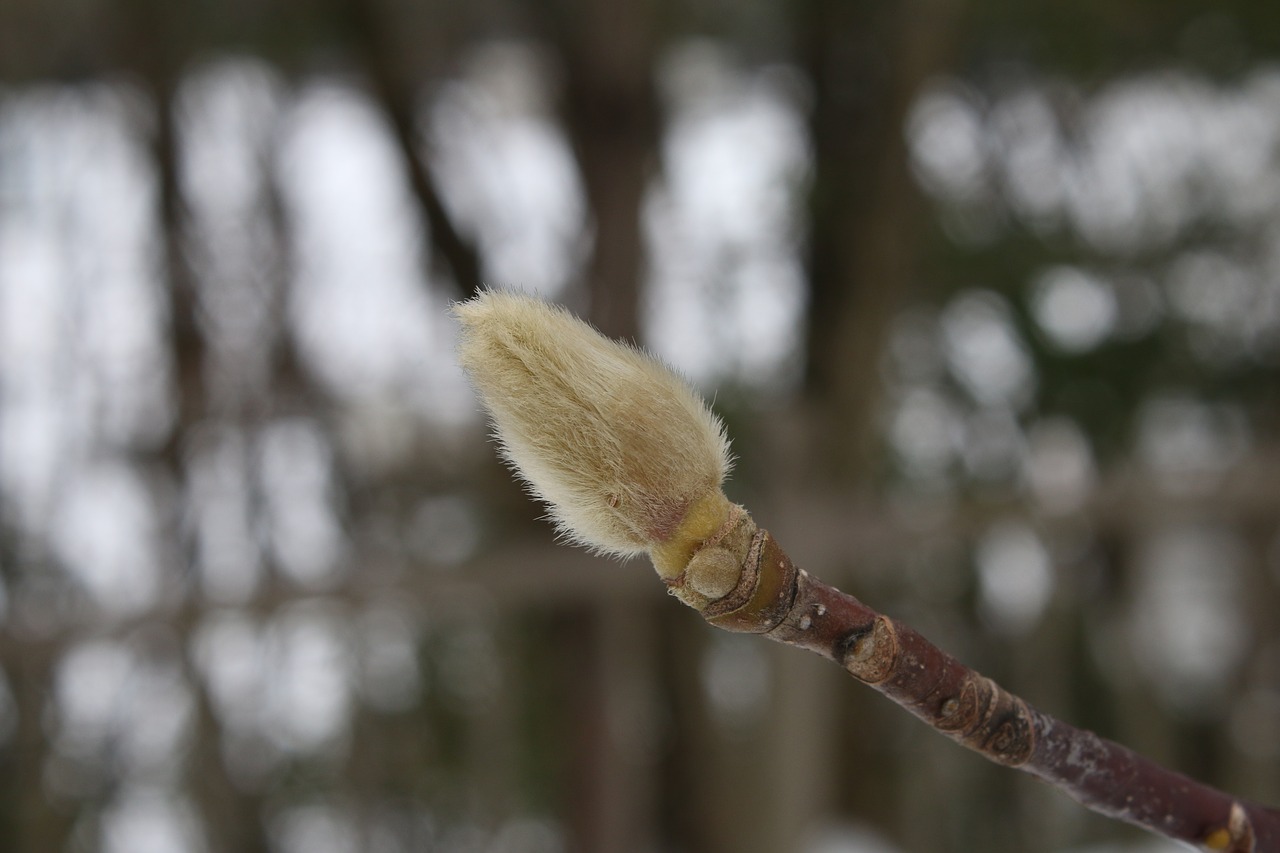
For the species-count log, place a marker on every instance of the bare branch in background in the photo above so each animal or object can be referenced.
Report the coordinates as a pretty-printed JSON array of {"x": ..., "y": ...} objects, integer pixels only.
[{"x": 398, "y": 95}]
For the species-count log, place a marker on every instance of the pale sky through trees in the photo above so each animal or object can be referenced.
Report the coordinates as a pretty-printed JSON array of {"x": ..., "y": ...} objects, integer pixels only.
[{"x": 85, "y": 381}]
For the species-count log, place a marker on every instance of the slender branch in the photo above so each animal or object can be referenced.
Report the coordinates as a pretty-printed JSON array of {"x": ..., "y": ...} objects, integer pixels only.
[
  {"x": 630, "y": 460},
  {"x": 775, "y": 599}
]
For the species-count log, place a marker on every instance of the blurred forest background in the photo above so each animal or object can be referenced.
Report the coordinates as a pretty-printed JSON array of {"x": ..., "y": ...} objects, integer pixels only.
[{"x": 988, "y": 293}]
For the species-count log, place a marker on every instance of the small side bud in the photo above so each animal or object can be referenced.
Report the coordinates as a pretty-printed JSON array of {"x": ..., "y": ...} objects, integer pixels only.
[
  {"x": 713, "y": 572},
  {"x": 628, "y": 458}
]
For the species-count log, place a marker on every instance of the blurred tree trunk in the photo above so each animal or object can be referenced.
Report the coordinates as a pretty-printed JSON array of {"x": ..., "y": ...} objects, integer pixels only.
[
  {"x": 867, "y": 61},
  {"x": 610, "y": 110},
  {"x": 157, "y": 38},
  {"x": 34, "y": 824},
  {"x": 1256, "y": 772},
  {"x": 231, "y": 818},
  {"x": 688, "y": 767},
  {"x": 607, "y": 669}
]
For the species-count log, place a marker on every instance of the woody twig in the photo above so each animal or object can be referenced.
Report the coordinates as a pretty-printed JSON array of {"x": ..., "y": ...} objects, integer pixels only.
[{"x": 630, "y": 460}]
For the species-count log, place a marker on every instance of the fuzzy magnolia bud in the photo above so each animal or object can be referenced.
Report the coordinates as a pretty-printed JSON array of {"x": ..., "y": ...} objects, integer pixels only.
[{"x": 628, "y": 458}]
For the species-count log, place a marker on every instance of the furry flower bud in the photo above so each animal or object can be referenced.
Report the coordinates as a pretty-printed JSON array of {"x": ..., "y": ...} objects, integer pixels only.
[{"x": 628, "y": 458}]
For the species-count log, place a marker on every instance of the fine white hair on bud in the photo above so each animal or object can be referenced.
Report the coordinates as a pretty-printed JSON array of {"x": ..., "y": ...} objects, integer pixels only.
[{"x": 616, "y": 443}]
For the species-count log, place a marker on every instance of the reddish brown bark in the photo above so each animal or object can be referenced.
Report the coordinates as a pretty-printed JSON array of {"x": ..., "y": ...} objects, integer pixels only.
[{"x": 786, "y": 604}]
